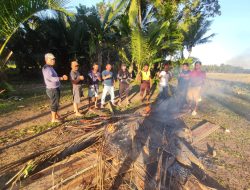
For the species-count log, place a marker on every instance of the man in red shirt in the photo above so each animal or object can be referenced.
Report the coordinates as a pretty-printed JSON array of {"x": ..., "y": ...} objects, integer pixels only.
[{"x": 197, "y": 79}]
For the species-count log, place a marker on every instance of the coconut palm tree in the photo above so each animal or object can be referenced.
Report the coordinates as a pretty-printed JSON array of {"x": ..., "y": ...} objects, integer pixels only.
[
  {"x": 195, "y": 33},
  {"x": 14, "y": 13},
  {"x": 104, "y": 34},
  {"x": 40, "y": 35}
]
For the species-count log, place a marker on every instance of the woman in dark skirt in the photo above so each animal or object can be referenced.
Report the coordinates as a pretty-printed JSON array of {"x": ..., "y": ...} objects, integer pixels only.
[{"x": 124, "y": 78}]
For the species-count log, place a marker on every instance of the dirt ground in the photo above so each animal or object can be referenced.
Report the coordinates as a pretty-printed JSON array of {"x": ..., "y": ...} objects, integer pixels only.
[
  {"x": 226, "y": 102},
  {"x": 24, "y": 127}
]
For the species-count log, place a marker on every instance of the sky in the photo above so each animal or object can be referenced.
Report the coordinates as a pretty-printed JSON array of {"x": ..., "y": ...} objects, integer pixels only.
[{"x": 231, "y": 45}]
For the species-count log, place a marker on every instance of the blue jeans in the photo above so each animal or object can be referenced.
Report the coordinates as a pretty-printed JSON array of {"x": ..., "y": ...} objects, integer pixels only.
[
  {"x": 163, "y": 92},
  {"x": 181, "y": 95}
]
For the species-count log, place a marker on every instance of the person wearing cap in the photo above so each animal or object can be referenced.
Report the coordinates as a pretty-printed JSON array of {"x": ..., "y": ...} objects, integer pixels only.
[
  {"x": 52, "y": 82},
  {"x": 76, "y": 78},
  {"x": 145, "y": 77},
  {"x": 124, "y": 78},
  {"x": 94, "y": 77},
  {"x": 109, "y": 85},
  {"x": 196, "y": 81}
]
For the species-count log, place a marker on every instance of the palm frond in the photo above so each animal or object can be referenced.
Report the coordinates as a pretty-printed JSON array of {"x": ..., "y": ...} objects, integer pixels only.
[
  {"x": 123, "y": 56},
  {"x": 139, "y": 48},
  {"x": 206, "y": 39},
  {"x": 194, "y": 32},
  {"x": 133, "y": 12},
  {"x": 15, "y": 12},
  {"x": 117, "y": 9}
]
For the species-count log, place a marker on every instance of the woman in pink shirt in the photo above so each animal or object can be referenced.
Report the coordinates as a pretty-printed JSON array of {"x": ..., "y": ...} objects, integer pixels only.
[{"x": 196, "y": 81}]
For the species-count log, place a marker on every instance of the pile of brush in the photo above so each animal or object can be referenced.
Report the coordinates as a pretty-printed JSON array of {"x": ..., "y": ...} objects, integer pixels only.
[{"x": 117, "y": 152}]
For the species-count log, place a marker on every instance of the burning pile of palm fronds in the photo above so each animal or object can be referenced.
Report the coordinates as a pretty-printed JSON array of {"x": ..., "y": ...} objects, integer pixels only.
[{"x": 118, "y": 152}]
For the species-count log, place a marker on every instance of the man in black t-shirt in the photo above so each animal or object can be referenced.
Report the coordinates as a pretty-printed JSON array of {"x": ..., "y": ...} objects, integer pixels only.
[{"x": 76, "y": 79}]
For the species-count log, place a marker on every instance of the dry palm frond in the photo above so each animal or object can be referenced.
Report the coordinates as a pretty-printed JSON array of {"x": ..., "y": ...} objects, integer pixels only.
[
  {"x": 102, "y": 161},
  {"x": 60, "y": 151}
]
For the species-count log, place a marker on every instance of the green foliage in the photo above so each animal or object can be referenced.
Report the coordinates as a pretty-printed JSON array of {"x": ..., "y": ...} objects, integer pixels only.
[
  {"x": 131, "y": 31},
  {"x": 139, "y": 48},
  {"x": 124, "y": 57},
  {"x": 13, "y": 13},
  {"x": 133, "y": 12},
  {"x": 194, "y": 33}
]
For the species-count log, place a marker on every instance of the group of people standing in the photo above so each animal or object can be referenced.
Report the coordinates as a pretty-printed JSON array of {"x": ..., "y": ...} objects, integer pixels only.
[
  {"x": 189, "y": 85},
  {"x": 94, "y": 77}
]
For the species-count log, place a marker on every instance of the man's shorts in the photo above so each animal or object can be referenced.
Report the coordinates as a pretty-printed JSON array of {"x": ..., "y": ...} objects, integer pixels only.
[
  {"x": 93, "y": 91},
  {"x": 145, "y": 86},
  {"x": 194, "y": 93},
  {"x": 54, "y": 96},
  {"x": 77, "y": 93}
]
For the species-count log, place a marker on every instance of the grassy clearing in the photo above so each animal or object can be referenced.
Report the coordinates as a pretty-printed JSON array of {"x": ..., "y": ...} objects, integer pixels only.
[
  {"x": 244, "y": 78},
  {"x": 30, "y": 96},
  {"x": 33, "y": 94},
  {"x": 36, "y": 99},
  {"x": 16, "y": 134},
  {"x": 226, "y": 103}
]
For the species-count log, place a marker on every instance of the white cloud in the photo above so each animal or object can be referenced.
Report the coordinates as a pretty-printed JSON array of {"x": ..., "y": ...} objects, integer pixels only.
[
  {"x": 212, "y": 53},
  {"x": 215, "y": 53}
]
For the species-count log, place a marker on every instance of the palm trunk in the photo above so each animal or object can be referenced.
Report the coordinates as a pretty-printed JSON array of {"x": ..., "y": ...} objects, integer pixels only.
[
  {"x": 108, "y": 57},
  {"x": 99, "y": 58},
  {"x": 189, "y": 52},
  {"x": 6, "y": 60},
  {"x": 4, "y": 44},
  {"x": 182, "y": 54}
]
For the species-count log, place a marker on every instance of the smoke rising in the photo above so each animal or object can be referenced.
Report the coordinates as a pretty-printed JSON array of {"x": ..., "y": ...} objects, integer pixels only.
[{"x": 242, "y": 60}]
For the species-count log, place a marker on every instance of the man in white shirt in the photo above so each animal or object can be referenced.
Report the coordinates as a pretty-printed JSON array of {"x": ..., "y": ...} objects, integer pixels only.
[{"x": 164, "y": 77}]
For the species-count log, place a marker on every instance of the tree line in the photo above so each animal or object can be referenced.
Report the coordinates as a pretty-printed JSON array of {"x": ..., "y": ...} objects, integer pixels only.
[
  {"x": 224, "y": 68},
  {"x": 133, "y": 32}
]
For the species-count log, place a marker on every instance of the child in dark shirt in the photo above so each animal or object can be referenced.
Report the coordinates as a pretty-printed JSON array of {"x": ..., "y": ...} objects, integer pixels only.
[{"x": 183, "y": 83}]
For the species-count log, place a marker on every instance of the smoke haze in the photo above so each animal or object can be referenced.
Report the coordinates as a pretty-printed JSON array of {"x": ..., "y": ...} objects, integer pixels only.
[{"x": 242, "y": 60}]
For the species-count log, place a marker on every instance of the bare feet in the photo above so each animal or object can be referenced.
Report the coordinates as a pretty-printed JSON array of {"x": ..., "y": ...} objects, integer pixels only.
[
  {"x": 56, "y": 121},
  {"x": 194, "y": 113},
  {"x": 142, "y": 99},
  {"x": 58, "y": 116},
  {"x": 128, "y": 102},
  {"x": 78, "y": 114},
  {"x": 119, "y": 103}
]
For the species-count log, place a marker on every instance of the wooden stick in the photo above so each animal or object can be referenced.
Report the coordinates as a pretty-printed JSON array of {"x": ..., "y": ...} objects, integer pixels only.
[
  {"x": 86, "y": 126},
  {"x": 111, "y": 109}
]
